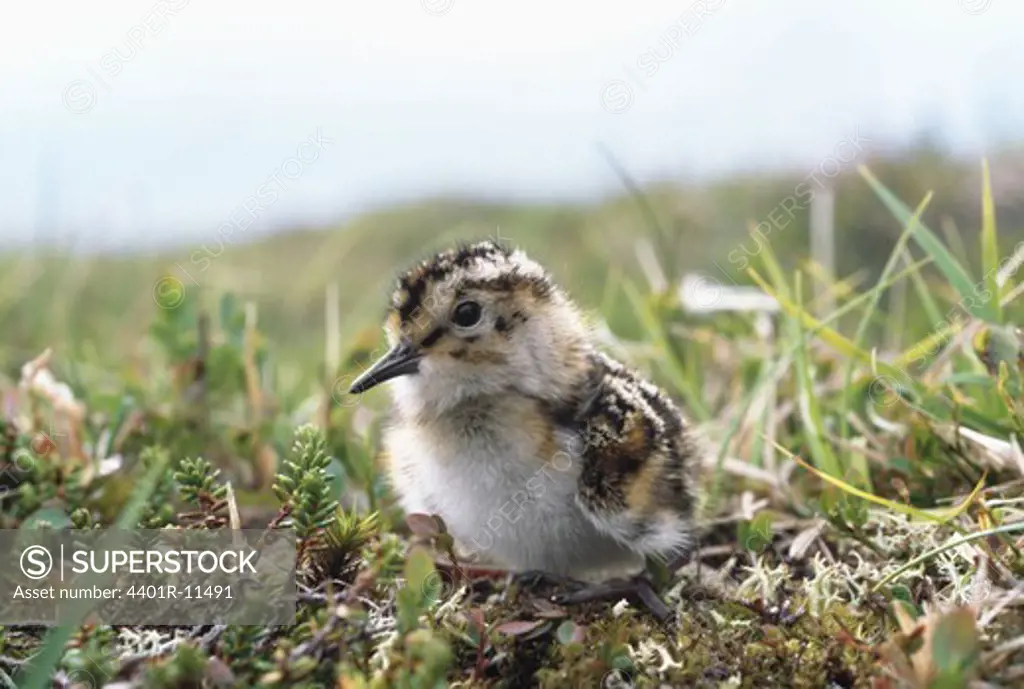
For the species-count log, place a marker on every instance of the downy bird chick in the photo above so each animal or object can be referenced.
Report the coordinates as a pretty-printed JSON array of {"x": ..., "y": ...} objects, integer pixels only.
[{"x": 539, "y": 452}]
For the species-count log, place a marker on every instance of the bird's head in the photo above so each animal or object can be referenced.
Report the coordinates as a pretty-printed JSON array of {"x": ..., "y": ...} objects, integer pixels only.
[{"x": 478, "y": 320}]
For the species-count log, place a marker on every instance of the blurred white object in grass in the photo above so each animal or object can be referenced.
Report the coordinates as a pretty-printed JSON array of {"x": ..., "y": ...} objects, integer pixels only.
[{"x": 701, "y": 293}]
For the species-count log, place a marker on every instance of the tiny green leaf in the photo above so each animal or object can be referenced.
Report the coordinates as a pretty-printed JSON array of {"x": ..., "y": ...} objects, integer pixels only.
[
  {"x": 419, "y": 565},
  {"x": 956, "y": 643},
  {"x": 569, "y": 632}
]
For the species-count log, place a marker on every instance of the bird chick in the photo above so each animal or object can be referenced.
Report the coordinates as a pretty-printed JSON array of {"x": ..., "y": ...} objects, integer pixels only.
[{"x": 539, "y": 452}]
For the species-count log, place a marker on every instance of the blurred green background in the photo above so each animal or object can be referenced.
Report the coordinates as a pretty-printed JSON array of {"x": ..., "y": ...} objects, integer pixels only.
[{"x": 98, "y": 307}]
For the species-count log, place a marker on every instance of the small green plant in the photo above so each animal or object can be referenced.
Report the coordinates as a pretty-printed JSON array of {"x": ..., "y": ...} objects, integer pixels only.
[
  {"x": 91, "y": 662},
  {"x": 237, "y": 645},
  {"x": 186, "y": 668},
  {"x": 304, "y": 487},
  {"x": 159, "y": 510},
  {"x": 337, "y": 553},
  {"x": 197, "y": 483}
]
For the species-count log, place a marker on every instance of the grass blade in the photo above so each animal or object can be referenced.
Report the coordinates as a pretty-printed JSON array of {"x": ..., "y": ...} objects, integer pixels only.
[
  {"x": 809, "y": 409},
  {"x": 764, "y": 378},
  {"x": 937, "y": 515},
  {"x": 955, "y": 543},
  {"x": 770, "y": 370},
  {"x": 830, "y": 336},
  {"x": 875, "y": 296},
  {"x": 929, "y": 345},
  {"x": 955, "y": 273},
  {"x": 669, "y": 362},
  {"x": 931, "y": 309},
  {"x": 990, "y": 243}
]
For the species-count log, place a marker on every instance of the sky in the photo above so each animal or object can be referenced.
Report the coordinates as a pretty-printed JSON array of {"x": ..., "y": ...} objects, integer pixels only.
[{"x": 130, "y": 123}]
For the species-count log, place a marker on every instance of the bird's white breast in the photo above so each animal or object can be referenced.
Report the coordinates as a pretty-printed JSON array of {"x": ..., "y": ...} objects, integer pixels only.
[{"x": 501, "y": 499}]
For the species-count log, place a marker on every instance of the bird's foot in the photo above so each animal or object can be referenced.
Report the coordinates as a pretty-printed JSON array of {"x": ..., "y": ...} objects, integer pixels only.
[
  {"x": 636, "y": 589},
  {"x": 534, "y": 578}
]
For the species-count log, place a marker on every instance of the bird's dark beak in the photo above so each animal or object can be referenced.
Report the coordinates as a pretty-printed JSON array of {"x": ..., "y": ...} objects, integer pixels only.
[{"x": 403, "y": 359}]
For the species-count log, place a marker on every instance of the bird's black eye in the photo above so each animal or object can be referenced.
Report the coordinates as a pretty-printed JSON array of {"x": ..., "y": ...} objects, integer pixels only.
[{"x": 467, "y": 314}]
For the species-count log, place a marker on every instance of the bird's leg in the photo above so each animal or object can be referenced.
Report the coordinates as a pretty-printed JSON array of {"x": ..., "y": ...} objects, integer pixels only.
[
  {"x": 638, "y": 588},
  {"x": 536, "y": 577}
]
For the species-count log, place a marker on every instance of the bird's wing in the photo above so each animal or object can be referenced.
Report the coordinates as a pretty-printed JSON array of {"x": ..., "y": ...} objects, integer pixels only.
[{"x": 639, "y": 460}]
